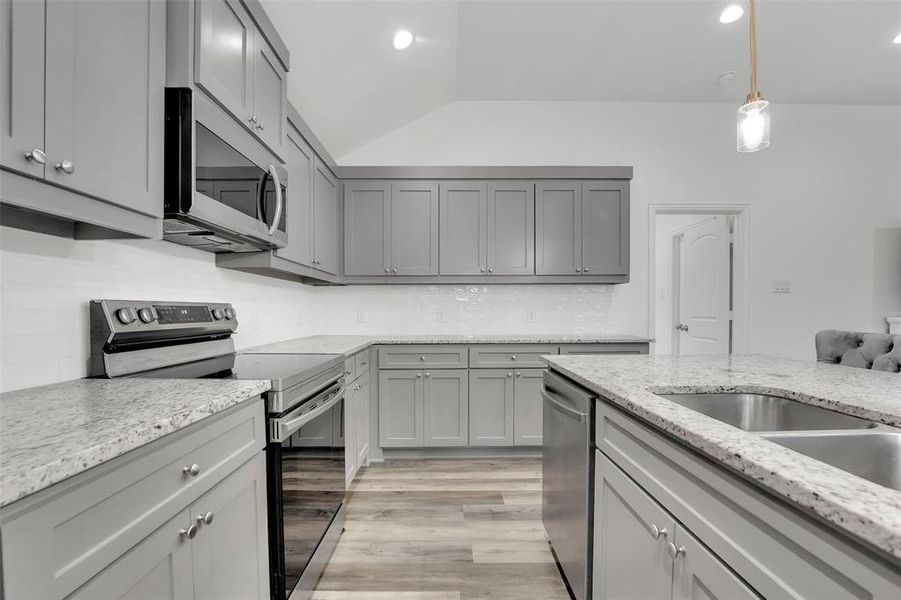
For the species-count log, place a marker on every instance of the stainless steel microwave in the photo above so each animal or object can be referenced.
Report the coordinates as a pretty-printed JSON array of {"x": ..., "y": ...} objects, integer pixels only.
[{"x": 223, "y": 192}]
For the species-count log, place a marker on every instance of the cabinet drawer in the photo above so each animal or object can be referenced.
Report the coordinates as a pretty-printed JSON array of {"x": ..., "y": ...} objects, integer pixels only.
[
  {"x": 361, "y": 361},
  {"x": 415, "y": 357},
  {"x": 58, "y": 539},
  {"x": 350, "y": 369},
  {"x": 780, "y": 552},
  {"x": 618, "y": 348},
  {"x": 509, "y": 356}
]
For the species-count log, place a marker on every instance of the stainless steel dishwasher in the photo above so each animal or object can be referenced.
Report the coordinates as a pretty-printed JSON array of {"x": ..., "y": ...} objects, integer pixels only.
[{"x": 566, "y": 483}]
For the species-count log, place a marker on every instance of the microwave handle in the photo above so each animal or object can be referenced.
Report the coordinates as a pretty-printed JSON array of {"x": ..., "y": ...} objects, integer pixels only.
[{"x": 279, "y": 199}]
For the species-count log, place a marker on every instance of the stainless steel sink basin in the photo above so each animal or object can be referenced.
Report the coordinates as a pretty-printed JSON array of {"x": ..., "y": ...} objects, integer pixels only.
[
  {"x": 875, "y": 455},
  {"x": 758, "y": 412}
]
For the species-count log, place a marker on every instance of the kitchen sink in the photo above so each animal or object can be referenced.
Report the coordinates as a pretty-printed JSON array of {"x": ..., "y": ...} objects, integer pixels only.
[
  {"x": 875, "y": 456},
  {"x": 760, "y": 412}
]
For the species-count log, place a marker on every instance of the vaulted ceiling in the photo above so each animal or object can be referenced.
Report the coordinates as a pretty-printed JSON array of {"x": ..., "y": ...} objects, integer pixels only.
[{"x": 352, "y": 87}]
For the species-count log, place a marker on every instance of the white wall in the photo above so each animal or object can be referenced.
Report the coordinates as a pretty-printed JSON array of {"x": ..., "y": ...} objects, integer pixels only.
[
  {"x": 817, "y": 195},
  {"x": 48, "y": 281}
]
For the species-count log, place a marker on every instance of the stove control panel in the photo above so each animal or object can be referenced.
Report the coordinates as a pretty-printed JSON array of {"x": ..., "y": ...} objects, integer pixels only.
[{"x": 125, "y": 316}]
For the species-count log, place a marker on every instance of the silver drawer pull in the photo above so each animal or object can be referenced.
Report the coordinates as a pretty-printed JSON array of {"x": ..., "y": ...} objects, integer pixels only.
[
  {"x": 675, "y": 552},
  {"x": 66, "y": 167},
  {"x": 207, "y": 518},
  {"x": 428, "y": 374},
  {"x": 190, "y": 532},
  {"x": 37, "y": 155},
  {"x": 193, "y": 470},
  {"x": 658, "y": 532},
  {"x": 509, "y": 374},
  {"x": 419, "y": 374},
  {"x": 513, "y": 357}
]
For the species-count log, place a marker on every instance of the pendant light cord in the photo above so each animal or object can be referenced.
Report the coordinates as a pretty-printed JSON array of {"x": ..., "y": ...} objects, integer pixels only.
[{"x": 755, "y": 94}]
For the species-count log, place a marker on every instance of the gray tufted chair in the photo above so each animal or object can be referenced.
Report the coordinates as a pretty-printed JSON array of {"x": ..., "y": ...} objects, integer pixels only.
[{"x": 878, "y": 351}]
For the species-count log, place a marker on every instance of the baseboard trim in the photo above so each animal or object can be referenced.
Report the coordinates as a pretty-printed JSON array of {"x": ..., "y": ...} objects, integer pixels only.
[{"x": 413, "y": 453}]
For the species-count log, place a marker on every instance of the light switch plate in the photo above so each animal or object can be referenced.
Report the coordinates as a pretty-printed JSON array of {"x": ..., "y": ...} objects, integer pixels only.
[
  {"x": 782, "y": 286},
  {"x": 361, "y": 316},
  {"x": 530, "y": 315}
]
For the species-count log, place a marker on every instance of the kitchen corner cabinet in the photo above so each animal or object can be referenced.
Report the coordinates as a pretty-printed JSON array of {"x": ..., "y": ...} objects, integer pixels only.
[
  {"x": 67, "y": 121},
  {"x": 582, "y": 228},
  {"x": 235, "y": 64},
  {"x": 143, "y": 526}
]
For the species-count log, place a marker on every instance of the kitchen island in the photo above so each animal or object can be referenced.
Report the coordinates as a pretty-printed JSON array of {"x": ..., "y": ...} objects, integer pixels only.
[{"x": 785, "y": 523}]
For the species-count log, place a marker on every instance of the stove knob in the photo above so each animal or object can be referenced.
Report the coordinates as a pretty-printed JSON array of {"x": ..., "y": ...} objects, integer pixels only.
[
  {"x": 217, "y": 314},
  {"x": 126, "y": 315},
  {"x": 146, "y": 315},
  {"x": 229, "y": 313}
]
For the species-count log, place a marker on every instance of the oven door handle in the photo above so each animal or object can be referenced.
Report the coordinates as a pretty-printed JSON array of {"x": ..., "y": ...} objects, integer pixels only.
[{"x": 284, "y": 427}]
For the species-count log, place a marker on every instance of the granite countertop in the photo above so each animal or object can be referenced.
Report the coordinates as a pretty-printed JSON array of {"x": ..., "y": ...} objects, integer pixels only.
[
  {"x": 53, "y": 432},
  {"x": 859, "y": 508},
  {"x": 350, "y": 344}
]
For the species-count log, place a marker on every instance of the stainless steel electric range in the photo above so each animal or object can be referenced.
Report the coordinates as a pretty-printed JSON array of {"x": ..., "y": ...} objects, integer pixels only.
[{"x": 305, "y": 467}]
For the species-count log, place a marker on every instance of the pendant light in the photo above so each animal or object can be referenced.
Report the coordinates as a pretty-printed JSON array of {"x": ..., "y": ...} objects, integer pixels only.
[{"x": 753, "y": 130}]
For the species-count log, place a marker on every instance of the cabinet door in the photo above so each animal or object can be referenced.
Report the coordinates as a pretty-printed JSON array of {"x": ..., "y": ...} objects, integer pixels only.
[
  {"x": 528, "y": 409},
  {"x": 462, "y": 241},
  {"x": 605, "y": 227},
  {"x": 511, "y": 228},
  {"x": 698, "y": 574},
  {"x": 346, "y": 423},
  {"x": 158, "y": 568},
  {"x": 491, "y": 407},
  {"x": 270, "y": 95},
  {"x": 105, "y": 79},
  {"x": 558, "y": 232},
  {"x": 630, "y": 554},
  {"x": 400, "y": 409},
  {"x": 299, "y": 201},
  {"x": 446, "y": 407},
  {"x": 231, "y": 558},
  {"x": 22, "y": 79},
  {"x": 361, "y": 428},
  {"x": 414, "y": 228},
  {"x": 366, "y": 227},
  {"x": 223, "y": 55},
  {"x": 325, "y": 215}
]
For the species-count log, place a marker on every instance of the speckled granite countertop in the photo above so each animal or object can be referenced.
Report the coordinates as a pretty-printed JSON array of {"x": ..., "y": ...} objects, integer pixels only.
[
  {"x": 53, "y": 432},
  {"x": 864, "y": 510},
  {"x": 349, "y": 344}
]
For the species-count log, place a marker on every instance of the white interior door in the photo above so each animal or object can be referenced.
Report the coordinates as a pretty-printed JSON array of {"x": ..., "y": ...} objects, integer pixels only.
[{"x": 702, "y": 310}]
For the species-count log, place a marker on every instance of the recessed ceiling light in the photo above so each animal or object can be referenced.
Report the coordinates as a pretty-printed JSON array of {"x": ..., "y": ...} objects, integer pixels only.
[
  {"x": 897, "y": 39},
  {"x": 402, "y": 39},
  {"x": 731, "y": 13}
]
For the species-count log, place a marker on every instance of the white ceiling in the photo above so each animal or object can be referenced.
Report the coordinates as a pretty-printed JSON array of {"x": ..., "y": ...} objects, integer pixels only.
[{"x": 353, "y": 88}]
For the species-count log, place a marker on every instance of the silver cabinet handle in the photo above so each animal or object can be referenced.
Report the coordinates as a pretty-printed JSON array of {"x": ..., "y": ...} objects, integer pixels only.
[
  {"x": 675, "y": 552},
  {"x": 363, "y": 362},
  {"x": 190, "y": 532},
  {"x": 419, "y": 374},
  {"x": 252, "y": 119},
  {"x": 518, "y": 374},
  {"x": 513, "y": 357},
  {"x": 422, "y": 358},
  {"x": 37, "y": 156},
  {"x": 482, "y": 270},
  {"x": 207, "y": 518},
  {"x": 193, "y": 470},
  {"x": 387, "y": 270},
  {"x": 66, "y": 167},
  {"x": 394, "y": 270},
  {"x": 427, "y": 374},
  {"x": 491, "y": 270},
  {"x": 578, "y": 270},
  {"x": 509, "y": 374},
  {"x": 585, "y": 270},
  {"x": 658, "y": 532},
  {"x": 279, "y": 200}
]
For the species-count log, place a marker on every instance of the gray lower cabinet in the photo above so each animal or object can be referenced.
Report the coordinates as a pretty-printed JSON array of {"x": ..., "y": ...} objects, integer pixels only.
[
  {"x": 400, "y": 408},
  {"x": 491, "y": 407},
  {"x": 641, "y": 551},
  {"x": 325, "y": 219},
  {"x": 528, "y": 409},
  {"x": 446, "y": 407},
  {"x": 361, "y": 424},
  {"x": 413, "y": 230}
]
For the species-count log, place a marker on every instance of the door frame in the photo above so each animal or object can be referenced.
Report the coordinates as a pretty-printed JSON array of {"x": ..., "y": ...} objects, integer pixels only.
[{"x": 741, "y": 217}]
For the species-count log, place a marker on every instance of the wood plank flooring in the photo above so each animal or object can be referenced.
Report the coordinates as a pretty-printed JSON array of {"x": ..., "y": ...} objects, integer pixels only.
[{"x": 444, "y": 529}]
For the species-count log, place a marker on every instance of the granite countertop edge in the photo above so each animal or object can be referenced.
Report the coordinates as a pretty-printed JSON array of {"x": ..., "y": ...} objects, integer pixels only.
[{"x": 857, "y": 507}]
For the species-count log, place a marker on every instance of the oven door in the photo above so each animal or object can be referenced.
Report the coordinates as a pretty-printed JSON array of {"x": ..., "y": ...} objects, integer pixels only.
[{"x": 305, "y": 458}]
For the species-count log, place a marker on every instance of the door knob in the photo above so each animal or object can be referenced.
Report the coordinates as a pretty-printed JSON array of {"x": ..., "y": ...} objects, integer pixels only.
[
  {"x": 37, "y": 156},
  {"x": 207, "y": 518},
  {"x": 190, "y": 532},
  {"x": 66, "y": 167}
]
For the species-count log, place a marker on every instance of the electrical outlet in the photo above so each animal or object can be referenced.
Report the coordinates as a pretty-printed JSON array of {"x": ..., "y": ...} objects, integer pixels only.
[
  {"x": 361, "y": 316},
  {"x": 530, "y": 315},
  {"x": 439, "y": 316},
  {"x": 782, "y": 286}
]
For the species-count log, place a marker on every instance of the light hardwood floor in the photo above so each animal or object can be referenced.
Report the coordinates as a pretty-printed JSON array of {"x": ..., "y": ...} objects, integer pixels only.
[{"x": 444, "y": 529}]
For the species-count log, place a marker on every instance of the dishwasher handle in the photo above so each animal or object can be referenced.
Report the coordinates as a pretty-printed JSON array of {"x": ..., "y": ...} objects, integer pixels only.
[{"x": 563, "y": 408}]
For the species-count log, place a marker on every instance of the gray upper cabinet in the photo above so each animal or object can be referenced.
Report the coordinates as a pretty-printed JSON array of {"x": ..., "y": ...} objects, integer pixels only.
[
  {"x": 366, "y": 238},
  {"x": 414, "y": 228},
  {"x": 299, "y": 202},
  {"x": 558, "y": 234},
  {"x": 491, "y": 407},
  {"x": 511, "y": 228},
  {"x": 22, "y": 79},
  {"x": 463, "y": 237},
  {"x": 234, "y": 63},
  {"x": 605, "y": 227},
  {"x": 446, "y": 407},
  {"x": 325, "y": 219}
]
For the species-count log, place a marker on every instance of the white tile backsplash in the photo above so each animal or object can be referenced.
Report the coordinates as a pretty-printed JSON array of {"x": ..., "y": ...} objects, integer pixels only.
[{"x": 48, "y": 281}]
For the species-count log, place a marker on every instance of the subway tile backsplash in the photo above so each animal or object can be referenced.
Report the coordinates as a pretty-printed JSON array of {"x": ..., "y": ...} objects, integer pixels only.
[{"x": 48, "y": 281}]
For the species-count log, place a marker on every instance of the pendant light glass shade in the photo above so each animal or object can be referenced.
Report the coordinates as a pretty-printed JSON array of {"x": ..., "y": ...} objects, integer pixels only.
[{"x": 753, "y": 131}]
